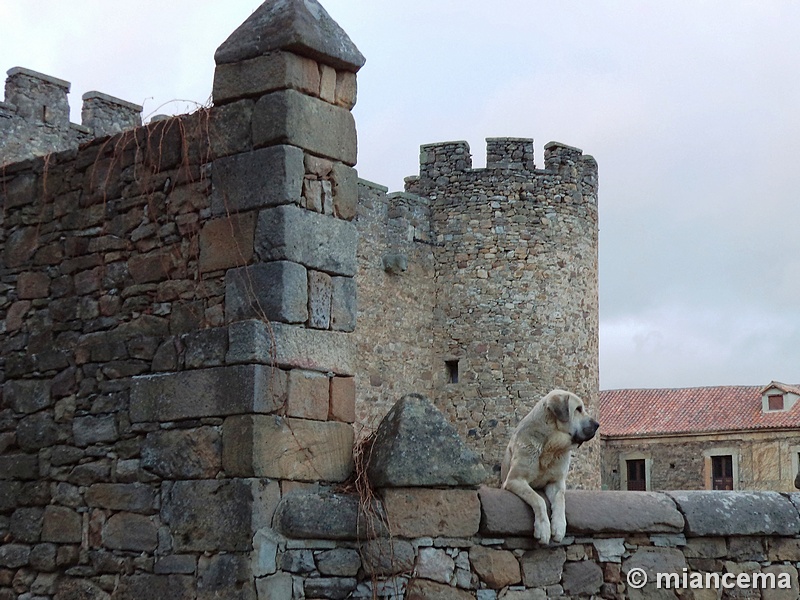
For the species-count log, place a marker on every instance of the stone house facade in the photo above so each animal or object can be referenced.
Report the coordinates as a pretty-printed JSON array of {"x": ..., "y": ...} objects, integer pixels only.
[{"x": 728, "y": 437}]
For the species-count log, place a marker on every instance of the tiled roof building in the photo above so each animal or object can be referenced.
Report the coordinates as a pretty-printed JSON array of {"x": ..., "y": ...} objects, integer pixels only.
[{"x": 726, "y": 437}]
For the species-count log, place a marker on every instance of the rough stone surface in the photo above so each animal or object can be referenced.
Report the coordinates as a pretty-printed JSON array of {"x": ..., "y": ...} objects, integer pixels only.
[
  {"x": 273, "y": 291},
  {"x": 133, "y": 497},
  {"x": 227, "y": 242},
  {"x": 308, "y": 395},
  {"x": 290, "y": 346},
  {"x": 258, "y": 76},
  {"x": 416, "y": 446},
  {"x": 140, "y": 586},
  {"x": 418, "y": 512},
  {"x": 303, "y": 27},
  {"x": 313, "y": 240},
  {"x": 312, "y": 124},
  {"x": 209, "y": 515},
  {"x": 287, "y": 448},
  {"x": 129, "y": 531},
  {"x": 543, "y": 567},
  {"x": 498, "y": 568},
  {"x": 748, "y": 513},
  {"x": 61, "y": 525},
  {"x": 388, "y": 556},
  {"x": 582, "y": 578},
  {"x": 648, "y": 511},
  {"x": 422, "y": 589},
  {"x": 183, "y": 453},
  {"x": 213, "y": 392},
  {"x": 327, "y": 515},
  {"x": 258, "y": 179},
  {"x": 504, "y": 513},
  {"x": 435, "y": 564},
  {"x": 341, "y": 562}
]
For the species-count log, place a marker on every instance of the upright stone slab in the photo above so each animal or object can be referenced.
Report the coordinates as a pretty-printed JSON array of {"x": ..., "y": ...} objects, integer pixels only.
[{"x": 416, "y": 446}]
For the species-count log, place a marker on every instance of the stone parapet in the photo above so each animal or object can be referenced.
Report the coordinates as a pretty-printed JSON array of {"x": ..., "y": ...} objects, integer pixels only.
[{"x": 481, "y": 546}]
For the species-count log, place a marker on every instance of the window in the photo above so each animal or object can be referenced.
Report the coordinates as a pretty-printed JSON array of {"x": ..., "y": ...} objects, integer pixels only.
[
  {"x": 637, "y": 474},
  {"x": 452, "y": 371},
  {"x": 775, "y": 402},
  {"x": 722, "y": 472}
]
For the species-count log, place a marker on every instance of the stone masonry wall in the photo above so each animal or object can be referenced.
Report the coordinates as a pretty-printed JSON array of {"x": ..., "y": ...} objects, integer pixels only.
[
  {"x": 515, "y": 252},
  {"x": 765, "y": 462},
  {"x": 176, "y": 304},
  {"x": 396, "y": 297},
  {"x": 464, "y": 544}
]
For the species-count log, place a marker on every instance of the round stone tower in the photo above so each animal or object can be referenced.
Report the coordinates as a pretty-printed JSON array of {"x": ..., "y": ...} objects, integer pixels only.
[{"x": 516, "y": 311}]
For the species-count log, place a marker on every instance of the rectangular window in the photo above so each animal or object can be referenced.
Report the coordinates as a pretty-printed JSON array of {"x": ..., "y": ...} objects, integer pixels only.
[
  {"x": 722, "y": 472},
  {"x": 452, "y": 371},
  {"x": 637, "y": 478},
  {"x": 775, "y": 402}
]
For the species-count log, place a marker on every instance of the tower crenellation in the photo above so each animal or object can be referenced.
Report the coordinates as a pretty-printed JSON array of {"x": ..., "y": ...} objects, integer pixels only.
[
  {"x": 34, "y": 118},
  {"x": 509, "y": 153}
]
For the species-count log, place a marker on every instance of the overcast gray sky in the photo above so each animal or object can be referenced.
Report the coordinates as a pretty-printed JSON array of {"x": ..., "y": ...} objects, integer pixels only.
[{"x": 691, "y": 108}]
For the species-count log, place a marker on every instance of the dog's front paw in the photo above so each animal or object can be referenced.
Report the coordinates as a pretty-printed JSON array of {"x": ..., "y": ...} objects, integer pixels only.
[
  {"x": 559, "y": 530},
  {"x": 541, "y": 530}
]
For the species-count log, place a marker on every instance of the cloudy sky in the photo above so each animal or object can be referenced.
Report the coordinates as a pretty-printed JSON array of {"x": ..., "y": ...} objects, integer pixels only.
[{"x": 691, "y": 108}]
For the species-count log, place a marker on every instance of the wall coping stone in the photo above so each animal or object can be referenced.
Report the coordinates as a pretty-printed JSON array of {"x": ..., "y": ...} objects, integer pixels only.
[
  {"x": 503, "y": 514},
  {"x": 712, "y": 513}
]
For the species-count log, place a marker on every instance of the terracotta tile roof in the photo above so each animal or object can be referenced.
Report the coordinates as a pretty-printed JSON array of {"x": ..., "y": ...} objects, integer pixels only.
[{"x": 691, "y": 410}]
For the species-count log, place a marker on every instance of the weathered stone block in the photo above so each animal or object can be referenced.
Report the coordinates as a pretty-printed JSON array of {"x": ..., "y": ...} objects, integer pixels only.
[
  {"x": 37, "y": 431},
  {"x": 27, "y": 396},
  {"x": 498, "y": 568},
  {"x": 13, "y": 556},
  {"x": 308, "y": 395},
  {"x": 346, "y": 89},
  {"x": 737, "y": 513},
  {"x": 420, "y": 512},
  {"x": 26, "y": 524},
  {"x": 81, "y": 589},
  {"x": 132, "y": 497},
  {"x": 654, "y": 561},
  {"x": 9, "y": 494},
  {"x": 340, "y": 562},
  {"x": 776, "y": 592},
  {"x": 154, "y": 587},
  {"x": 328, "y": 516},
  {"x": 388, "y": 556},
  {"x": 213, "y": 515},
  {"x": 275, "y": 291},
  {"x": 227, "y": 242},
  {"x": 214, "y": 392},
  {"x": 621, "y": 512},
  {"x": 261, "y": 178},
  {"x": 290, "y": 117},
  {"x": 543, "y": 566},
  {"x": 343, "y": 399},
  {"x": 320, "y": 289},
  {"x": 268, "y": 73},
  {"x": 582, "y": 578},
  {"x": 344, "y": 307},
  {"x": 345, "y": 191},
  {"x": 183, "y": 453},
  {"x": 285, "y": 448},
  {"x": 61, "y": 525},
  {"x": 316, "y": 241},
  {"x": 221, "y": 577},
  {"x": 290, "y": 346},
  {"x": 275, "y": 586},
  {"x": 130, "y": 531},
  {"x": 422, "y": 589},
  {"x": 230, "y": 128},
  {"x": 329, "y": 587},
  {"x": 435, "y": 564},
  {"x": 93, "y": 429},
  {"x": 782, "y": 549},
  {"x": 19, "y": 466},
  {"x": 416, "y": 446}
]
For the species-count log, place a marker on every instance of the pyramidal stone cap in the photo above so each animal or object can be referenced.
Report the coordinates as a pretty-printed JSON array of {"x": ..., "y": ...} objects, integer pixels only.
[
  {"x": 415, "y": 445},
  {"x": 300, "y": 26}
]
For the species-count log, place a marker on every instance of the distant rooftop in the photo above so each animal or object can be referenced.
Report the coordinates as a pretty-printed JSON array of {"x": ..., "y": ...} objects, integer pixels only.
[{"x": 645, "y": 412}]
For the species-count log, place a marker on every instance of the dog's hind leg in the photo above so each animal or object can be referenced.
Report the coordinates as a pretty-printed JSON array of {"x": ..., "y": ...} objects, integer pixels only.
[
  {"x": 541, "y": 522},
  {"x": 555, "y": 493}
]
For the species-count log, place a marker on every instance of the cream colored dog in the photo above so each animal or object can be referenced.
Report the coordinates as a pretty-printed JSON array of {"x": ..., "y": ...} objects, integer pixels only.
[{"x": 538, "y": 454}]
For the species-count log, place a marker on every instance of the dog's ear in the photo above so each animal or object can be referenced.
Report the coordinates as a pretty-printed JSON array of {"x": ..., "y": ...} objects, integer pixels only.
[{"x": 558, "y": 404}]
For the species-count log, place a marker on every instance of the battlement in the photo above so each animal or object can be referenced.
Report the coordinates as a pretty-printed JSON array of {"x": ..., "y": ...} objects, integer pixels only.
[
  {"x": 445, "y": 163},
  {"x": 34, "y": 118}
]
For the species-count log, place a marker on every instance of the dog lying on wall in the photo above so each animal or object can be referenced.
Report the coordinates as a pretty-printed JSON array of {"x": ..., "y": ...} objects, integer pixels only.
[{"x": 538, "y": 455}]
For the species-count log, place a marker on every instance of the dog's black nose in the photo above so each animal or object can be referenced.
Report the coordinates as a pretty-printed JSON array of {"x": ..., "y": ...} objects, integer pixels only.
[{"x": 586, "y": 432}]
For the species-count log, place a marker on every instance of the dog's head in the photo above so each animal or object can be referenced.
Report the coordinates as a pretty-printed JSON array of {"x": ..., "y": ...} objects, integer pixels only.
[{"x": 571, "y": 416}]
